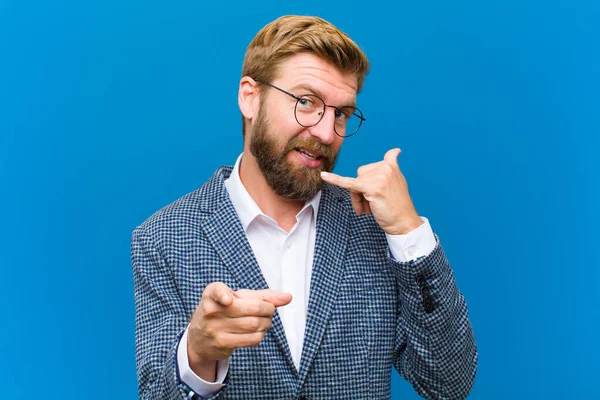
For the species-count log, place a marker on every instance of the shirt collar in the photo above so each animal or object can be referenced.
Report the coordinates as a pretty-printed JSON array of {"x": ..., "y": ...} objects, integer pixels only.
[{"x": 246, "y": 207}]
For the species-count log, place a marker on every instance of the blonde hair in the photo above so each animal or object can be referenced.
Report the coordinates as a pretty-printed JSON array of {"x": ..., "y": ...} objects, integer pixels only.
[{"x": 293, "y": 34}]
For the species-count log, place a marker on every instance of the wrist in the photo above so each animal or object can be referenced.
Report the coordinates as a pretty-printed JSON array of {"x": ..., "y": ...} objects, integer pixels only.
[
  {"x": 405, "y": 227},
  {"x": 205, "y": 369}
]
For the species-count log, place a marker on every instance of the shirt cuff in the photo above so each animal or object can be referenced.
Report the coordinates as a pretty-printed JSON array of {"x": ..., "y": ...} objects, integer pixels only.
[
  {"x": 189, "y": 377},
  {"x": 419, "y": 242}
]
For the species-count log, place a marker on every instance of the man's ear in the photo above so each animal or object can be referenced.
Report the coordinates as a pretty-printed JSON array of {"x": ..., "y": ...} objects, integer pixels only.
[{"x": 248, "y": 97}]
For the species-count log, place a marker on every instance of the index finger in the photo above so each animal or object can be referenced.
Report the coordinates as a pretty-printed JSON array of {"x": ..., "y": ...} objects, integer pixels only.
[
  {"x": 341, "y": 181},
  {"x": 250, "y": 308},
  {"x": 278, "y": 299}
]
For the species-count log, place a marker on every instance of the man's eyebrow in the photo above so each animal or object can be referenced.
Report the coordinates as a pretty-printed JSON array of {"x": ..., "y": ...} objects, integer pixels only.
[{"x": 305, "y": 88}]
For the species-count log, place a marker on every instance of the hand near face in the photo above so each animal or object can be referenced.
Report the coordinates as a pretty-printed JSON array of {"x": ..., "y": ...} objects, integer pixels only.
[
  {"x": 380, "y": 189},
  {"x": 226, "y": 320}
]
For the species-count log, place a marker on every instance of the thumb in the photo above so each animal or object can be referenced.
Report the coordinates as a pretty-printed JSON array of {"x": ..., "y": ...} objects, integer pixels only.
[
  {"x": 392, "y": 155},
  {"x": 220, "y": 293}
]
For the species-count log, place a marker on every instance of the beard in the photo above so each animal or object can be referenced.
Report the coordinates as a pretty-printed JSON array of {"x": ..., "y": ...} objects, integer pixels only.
[{"x": 289, "y": 180}]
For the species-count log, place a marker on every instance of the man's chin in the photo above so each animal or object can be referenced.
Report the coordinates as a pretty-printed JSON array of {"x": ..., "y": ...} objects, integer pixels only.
[
  {"x": 303, "y": 187},
  {"x": 304, "y": 174}
]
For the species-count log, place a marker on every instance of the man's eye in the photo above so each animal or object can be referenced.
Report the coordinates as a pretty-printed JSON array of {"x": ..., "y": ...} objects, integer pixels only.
[
  {"x": 341, "y": 114},
  {"x": 306, "y": 102}
]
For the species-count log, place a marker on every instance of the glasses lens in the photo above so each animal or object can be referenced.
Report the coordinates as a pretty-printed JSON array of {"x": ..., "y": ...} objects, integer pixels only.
[
  {"x": 347, "y": 120},
  {"x": 309, "y": 110}
]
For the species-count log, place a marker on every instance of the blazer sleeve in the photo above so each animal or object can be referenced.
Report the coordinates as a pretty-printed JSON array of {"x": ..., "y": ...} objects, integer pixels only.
[
  {"x": 435, "y": 347},
  {"x": 160, "y": 321}
]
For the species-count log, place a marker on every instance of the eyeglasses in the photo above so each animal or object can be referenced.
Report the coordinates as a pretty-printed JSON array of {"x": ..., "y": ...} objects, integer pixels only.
[{"x": 310, "y": 109}]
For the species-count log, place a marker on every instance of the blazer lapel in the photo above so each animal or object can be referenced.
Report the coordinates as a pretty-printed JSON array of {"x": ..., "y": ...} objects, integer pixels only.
[
  {"x": 328, "y": 265},
  {"x": 224, "y": 230}
]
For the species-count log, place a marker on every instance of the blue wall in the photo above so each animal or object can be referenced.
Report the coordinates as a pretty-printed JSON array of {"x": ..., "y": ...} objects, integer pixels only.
[{"x": 110, "y": 110}]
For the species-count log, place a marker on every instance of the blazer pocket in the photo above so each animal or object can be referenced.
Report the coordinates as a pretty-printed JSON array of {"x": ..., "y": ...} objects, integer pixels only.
[{"x": 358, "y": 285}]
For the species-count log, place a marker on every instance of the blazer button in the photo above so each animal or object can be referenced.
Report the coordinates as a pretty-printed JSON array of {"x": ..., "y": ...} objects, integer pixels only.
[
  {"x": 428, "y": 304},
  {"x": 420, "y": 279}
]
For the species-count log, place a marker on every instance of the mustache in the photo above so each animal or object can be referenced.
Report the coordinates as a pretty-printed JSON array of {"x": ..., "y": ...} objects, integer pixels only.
[{"x": 311, "y": 145}]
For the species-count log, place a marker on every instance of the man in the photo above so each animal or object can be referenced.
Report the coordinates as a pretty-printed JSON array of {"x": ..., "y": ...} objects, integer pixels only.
[{"x": 280, "y": 280}]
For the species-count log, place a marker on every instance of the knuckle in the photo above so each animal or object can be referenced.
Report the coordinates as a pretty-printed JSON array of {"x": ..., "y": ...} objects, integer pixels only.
[
  {"x": 206, "y": 293},
  {"x": 256, "y": 324},
  {"x": 258, "y": 338},
  {"x": 205, "y": 307},
  {"x": 269, "y": 309},
  {"x": 210, "y": 328},
  {"x": 209, "y": 288},
  {"x": 207, "y": 331},
  {"x": 219, "y": 342},
  {"x": 383, "y": 179},
  {"x": 268, "y": 323},
  {"x": 214, "y": 287}
]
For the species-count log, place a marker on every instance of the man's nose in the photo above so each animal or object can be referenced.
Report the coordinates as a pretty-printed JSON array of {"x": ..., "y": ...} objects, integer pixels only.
[{"x": 324, "y": 130}]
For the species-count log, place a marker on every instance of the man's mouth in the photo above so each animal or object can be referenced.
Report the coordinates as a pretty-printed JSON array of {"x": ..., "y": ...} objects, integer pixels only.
[{"x": 310, "y": 154}]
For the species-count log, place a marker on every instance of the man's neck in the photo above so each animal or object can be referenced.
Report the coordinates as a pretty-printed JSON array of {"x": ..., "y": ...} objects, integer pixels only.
[{"x": 282, "y": 210}]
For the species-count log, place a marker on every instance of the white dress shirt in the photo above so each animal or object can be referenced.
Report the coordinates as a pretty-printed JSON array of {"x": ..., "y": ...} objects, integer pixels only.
[{"x": 285, "y": 260}]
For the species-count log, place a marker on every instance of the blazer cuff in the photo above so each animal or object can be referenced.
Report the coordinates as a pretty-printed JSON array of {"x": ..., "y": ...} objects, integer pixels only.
[{"x": 427, "y": 282}]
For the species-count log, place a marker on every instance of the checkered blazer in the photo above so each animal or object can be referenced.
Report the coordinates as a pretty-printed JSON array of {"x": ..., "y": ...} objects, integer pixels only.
[{"x": 366, "y": 312}]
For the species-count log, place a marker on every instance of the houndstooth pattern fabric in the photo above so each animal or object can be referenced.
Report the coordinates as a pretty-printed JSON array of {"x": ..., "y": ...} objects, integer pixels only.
[{"x": 366, "y": 312}]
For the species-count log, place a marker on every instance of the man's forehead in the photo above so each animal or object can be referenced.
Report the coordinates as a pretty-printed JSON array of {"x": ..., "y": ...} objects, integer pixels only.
[{"x": 311, "y": 72}]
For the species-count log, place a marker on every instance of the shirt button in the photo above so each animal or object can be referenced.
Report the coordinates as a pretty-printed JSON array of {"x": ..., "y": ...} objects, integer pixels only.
[
  {"x": 288, "y": 244},
  {"x": 411, "y": 251}
]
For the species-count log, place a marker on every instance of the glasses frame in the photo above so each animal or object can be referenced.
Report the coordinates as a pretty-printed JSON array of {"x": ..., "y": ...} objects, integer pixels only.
[{"x": 298, "y": 98}]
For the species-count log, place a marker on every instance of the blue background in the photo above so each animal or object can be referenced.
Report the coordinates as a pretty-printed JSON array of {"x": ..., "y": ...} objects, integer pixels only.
[{"x": 110, "y": 110}]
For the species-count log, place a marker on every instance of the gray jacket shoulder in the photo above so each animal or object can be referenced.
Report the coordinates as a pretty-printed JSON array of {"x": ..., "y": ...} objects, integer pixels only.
[{"x": 191, "y": 208}]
